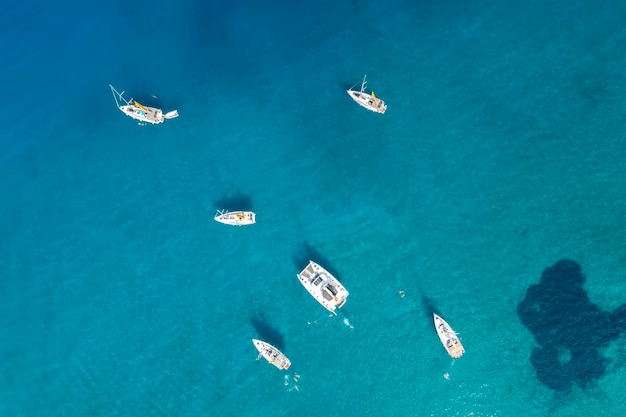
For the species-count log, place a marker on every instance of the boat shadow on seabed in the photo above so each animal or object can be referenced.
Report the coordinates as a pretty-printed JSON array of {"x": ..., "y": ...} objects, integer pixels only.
[
  {"x": 266, "y": 332},
  {"x": 309, "y": 253},
  {"x": 235, "y": 202},
  {"x": 429, "y": 308},
  {"x": 569, "y": 328}
]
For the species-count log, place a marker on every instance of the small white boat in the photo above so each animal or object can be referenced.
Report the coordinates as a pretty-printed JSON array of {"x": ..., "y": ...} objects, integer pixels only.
[
  {"x": 369, "y": 101},
  {"x": 235, "y": 218},
  {"x": 137, "y": 111},
  {"x": 273, "y": 355},
  {"x": 324, "y": 287},
  {"x": 448, "y": 337}
]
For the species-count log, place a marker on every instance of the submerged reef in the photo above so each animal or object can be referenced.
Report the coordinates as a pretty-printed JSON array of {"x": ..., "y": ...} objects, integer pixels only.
[{"x": 568, "y": 327}]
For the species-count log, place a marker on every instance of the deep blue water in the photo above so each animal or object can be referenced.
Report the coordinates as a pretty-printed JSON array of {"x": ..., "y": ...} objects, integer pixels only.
[{"x": 501, "y": 154}]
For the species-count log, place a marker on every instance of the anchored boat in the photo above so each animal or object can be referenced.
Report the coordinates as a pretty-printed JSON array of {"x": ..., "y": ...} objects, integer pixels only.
[
  {"x": 137, "y": 111},
  {"x": 324, "y": 287},
  {"x": 369, "y": 101},
  {"x": 235, "y": 218},
  {"x": 448, "y": 337},
  {"x": 273, "y": 355}
]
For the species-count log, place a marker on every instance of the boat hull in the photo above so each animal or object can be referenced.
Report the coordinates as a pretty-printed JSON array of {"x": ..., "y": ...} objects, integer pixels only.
[
  {"x": 152, "y": 115},
  {"x": 368, "y": 101},
  {"x": 272, "y": 354},
  {"x": 323, "y": 286},
  {"x": 137, "y": 111},
  {"x": 448, "y": 337},
  {"x": 236, "y": 218}
]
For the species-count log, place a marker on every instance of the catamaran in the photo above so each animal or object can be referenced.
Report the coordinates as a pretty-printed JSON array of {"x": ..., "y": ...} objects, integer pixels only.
[
  {"x": 369, "y": 101},
  {"x": 235, "y": 218},
  {"x": 137, "y": 111},
  {"x": 448, "y": 337},
  {"x": 324, "y": 287},
  {"x": 273, "y": 355}
]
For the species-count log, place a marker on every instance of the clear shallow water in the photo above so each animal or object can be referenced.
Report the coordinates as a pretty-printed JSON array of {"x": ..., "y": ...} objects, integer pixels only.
[{"x": 500, "y": 154}]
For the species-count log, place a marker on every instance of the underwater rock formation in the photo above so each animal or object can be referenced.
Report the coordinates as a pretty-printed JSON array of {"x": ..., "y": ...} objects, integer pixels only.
[{"x": 568, "y": 327}]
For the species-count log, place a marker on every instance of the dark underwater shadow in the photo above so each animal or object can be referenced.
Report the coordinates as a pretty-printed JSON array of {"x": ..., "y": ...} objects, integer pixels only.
[
  {"x": 309, "y": 253},
  {"x": 569, "y": 328},
  {"x": 234, "y": 203},
  {"x": 266, "y": 332},
  {"x": 428, "y": 308}
]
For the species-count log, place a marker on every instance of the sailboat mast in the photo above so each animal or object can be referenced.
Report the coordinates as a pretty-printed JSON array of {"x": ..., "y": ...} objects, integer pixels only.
[
  {"x": 118, "y": 96},
  {"x": 363, "y": 83}
]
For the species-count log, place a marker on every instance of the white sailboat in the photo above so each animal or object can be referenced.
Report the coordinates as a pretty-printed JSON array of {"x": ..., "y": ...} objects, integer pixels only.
[
  {"x": 137, "y": 111},
  {"x": 235, "y": 218},
  {"x": 448, "y": 337},
  {"x": 369, "y": 101},
  {"x": 272, "y": 354}
]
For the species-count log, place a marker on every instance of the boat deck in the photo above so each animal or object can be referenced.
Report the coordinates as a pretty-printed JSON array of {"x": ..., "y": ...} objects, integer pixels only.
[
  {"x": 323, "y": 286},
  {"x": 143, "y": 113},
  {"x": 455, "y": 349},
  {"x": 448, "y": 337},
  {"x": 368, "y": 101},
  {"x": 235, "y": 218},
  {"x": 272, "y": 354}
]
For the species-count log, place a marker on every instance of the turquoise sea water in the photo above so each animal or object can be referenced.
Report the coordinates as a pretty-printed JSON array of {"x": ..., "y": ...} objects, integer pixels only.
[{"x": 501, "y": 153}]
